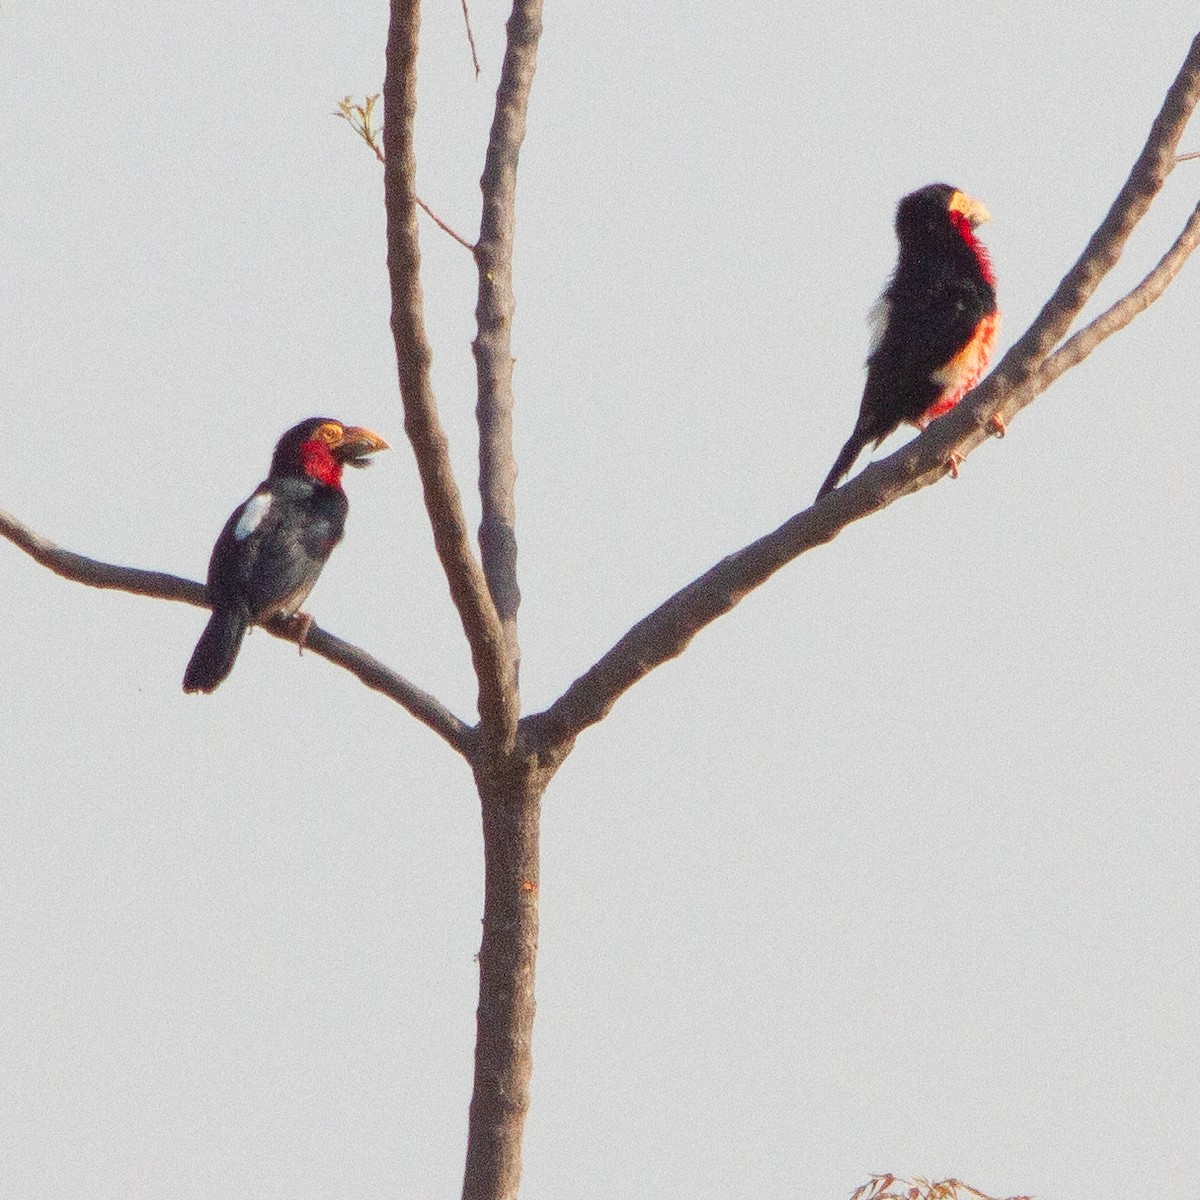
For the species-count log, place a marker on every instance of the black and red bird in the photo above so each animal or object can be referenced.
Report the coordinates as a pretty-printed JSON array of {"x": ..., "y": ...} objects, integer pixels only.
[
  {"x": 273, "y": 547},
  {"x": 935, "y": 324}
]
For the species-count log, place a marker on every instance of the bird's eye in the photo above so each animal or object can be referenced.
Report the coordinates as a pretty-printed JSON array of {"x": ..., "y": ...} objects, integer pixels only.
[{"x": 329, "y": 432}]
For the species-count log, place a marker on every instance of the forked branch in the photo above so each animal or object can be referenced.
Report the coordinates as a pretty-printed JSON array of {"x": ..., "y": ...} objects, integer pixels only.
[
  {"x": 1077, "y": 347},
  {"x": 1025, "y": 371}
]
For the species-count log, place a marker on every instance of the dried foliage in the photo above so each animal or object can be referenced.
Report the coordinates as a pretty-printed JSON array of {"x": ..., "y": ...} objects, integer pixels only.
[
  {"x": 890, "y": 1187},
  {"x": 361, "y": 119}
]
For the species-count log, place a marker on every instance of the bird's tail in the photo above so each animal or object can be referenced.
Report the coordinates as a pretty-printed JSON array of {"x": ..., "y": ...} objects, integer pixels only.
[
  {"x": 216, "y": 651},
  {"x": 850, "y": 451}
]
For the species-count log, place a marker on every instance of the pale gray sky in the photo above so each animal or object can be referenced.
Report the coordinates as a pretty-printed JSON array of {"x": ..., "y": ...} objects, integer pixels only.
[{"x": 894, "y": 870}]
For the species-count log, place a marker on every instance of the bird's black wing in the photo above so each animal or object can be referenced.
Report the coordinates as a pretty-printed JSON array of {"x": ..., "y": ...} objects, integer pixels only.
[{"x": 273, "y": 547}]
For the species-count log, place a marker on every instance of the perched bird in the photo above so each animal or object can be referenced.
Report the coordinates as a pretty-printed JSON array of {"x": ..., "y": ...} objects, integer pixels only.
[
  {"x": 935, "y": 324},
  {"x": 273, "y": 547}
]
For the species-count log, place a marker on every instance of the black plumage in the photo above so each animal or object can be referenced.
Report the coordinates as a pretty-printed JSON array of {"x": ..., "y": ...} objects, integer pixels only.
[
  {"x": 936, "y": 322},
  {"x": 274, "y": 545}
]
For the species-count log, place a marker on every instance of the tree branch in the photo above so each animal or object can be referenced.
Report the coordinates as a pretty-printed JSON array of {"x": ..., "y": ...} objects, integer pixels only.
[
  {"x": 493, "y": 343},
  {"x": 161, "y": 586},
  {"x": 468, "y": 589},
  {"x": 369, "y": 670},
  {"x": 1147, "y": 177},
  {"x": 1024, "y": 372},
  {"x": 1077, "y": 347},
  {"x": 93, "y": 573},
  {"x": 510, "y": 782}
]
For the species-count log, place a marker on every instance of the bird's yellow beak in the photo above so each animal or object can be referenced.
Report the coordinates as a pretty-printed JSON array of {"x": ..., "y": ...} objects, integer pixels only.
[
  {"x": 355, "y": 444},
  {"x": 975, "y": 212}
]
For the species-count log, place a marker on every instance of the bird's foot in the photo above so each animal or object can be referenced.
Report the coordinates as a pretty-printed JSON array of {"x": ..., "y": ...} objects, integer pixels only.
[
  {"x": 954, "y": 463},
  {"x": 303, "y": 621},
  {"x": 996, "y": 425}
]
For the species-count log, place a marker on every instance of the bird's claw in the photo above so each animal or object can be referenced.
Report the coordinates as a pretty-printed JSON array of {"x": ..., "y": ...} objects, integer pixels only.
[
  {"x": 996, "y": 425},
  {"x": 954, "y": 463},
  {"x": 304, "y": 622}
]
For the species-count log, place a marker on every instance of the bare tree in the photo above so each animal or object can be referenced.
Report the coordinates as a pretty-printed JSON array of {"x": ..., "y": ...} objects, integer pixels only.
[{"x": 514, "y": 757}]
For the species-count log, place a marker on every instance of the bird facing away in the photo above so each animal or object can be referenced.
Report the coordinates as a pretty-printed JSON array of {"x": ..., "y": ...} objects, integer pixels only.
[
  {"x": 935, "y": 324},
  {"x": 274, "y": 545}
]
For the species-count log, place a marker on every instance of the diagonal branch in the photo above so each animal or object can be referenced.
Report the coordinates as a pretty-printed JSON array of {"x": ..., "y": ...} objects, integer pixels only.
[
  {"x": 1025, "y": 371},
  {"x": 442, "y": 225},
  {"x": 1008, "y": 388},
  {"x": 94, "y": 573},
  {"x": 369, "y": 670},
  {"x": 1147, "y": 177},
  {"x": 666, "y": 632},
  {"x": 493, "y": 343},
  {"x": 162, "y": 586},
  {"x": 1077, "y": 347},
  {"x": 468, "y": 588}
]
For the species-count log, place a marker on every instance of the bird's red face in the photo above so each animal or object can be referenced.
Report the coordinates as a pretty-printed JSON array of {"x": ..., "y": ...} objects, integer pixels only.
[
  {"x": 967, "y": 215},
  {"x": 329, "y": 445}
]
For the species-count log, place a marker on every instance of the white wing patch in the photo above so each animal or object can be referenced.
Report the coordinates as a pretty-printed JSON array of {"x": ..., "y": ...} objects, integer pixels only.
[
  {"x": 877, "y": 320},
  {"x": 253, "y": 512}
]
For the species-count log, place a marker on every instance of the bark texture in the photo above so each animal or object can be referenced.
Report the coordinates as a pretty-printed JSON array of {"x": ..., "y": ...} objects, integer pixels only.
[{"x": 511, "y": 798}]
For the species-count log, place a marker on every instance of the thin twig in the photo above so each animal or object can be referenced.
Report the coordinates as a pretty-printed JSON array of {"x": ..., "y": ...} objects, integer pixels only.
[
  {"x": 162, "y": 586},
  {"x": 458, "y": 237},
  {"x": 360, "y": 119},
  {"x": 470, "y": 37}
]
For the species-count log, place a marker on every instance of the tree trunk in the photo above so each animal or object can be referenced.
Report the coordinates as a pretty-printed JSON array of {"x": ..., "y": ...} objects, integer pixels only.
[{"x": 510, "y": 795}]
